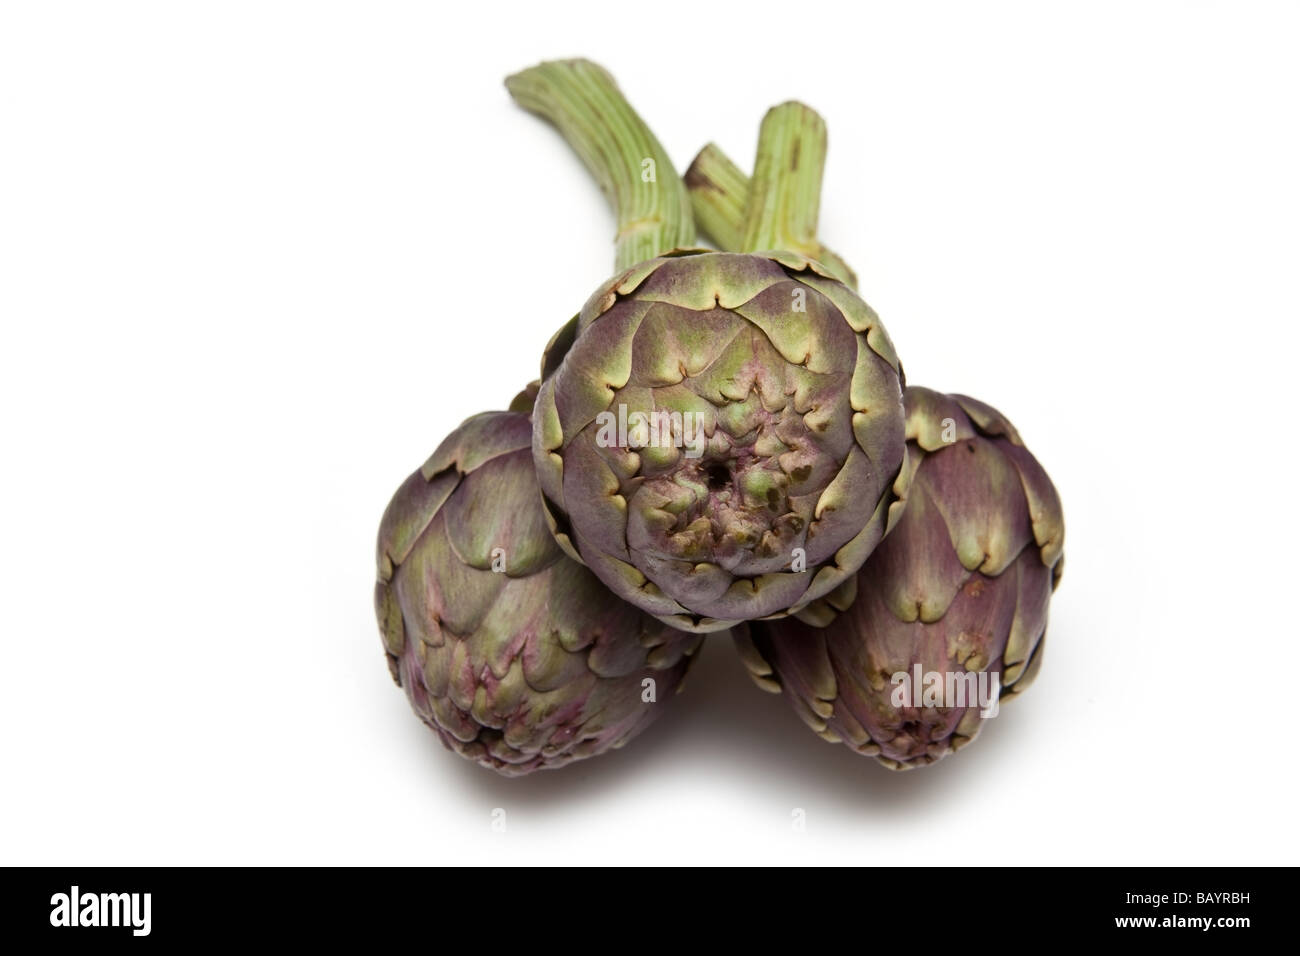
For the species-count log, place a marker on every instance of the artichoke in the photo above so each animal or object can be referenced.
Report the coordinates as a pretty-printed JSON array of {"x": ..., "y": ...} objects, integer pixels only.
[
  {"x": 717, "y": 438},
  {"x": 512, "y": 653},
  {"x": 950, "y": 608},
  {"x": 717, "y": 434}
]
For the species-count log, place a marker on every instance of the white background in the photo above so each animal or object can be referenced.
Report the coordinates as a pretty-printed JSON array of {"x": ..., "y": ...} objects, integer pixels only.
[{"x": 256, "y": 259}]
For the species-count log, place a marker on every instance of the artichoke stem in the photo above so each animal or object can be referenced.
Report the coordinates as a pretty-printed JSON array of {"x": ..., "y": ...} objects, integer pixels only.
[
  {"x": 785, "y": 196},
  {"x": 720, "y": 193},
  {"x": 650, "y": 200}
]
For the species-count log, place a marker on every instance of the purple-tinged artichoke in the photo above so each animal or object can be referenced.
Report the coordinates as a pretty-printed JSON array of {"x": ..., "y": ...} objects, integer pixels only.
[
  {"x": 959, "y": 589},
  {"x": 513, "y": 653},
  {"x": 717, "y": 435}
]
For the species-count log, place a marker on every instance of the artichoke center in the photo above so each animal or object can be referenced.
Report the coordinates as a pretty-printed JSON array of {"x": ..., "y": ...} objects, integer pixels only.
[{"x": 718, "y": 476}]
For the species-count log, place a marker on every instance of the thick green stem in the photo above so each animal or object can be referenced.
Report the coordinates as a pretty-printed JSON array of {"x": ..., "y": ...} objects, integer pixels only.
[
  {"x": 649, "y": 198},
  {"x": 720, "y": 193},
  {"x": 785, "y": 196}
]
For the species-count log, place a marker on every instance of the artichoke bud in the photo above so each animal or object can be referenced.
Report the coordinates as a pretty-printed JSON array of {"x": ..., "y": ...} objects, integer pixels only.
[
  {"x": 779, "y": 405},
  {"x": 512, "y": 652},
  {"x": 951, "y": 609}
]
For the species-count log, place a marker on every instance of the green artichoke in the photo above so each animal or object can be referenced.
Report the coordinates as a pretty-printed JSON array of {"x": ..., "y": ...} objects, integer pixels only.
[
  {"x": 958, "y": 589},
  {"x": 514, "y": 654}
]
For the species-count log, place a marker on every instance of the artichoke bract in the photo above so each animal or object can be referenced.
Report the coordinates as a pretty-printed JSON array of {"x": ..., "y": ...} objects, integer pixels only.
[
  {"x": 512, "y": 652},
  {"x": 717, "y": 435},
  {"x": 950, "y": 610}
]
